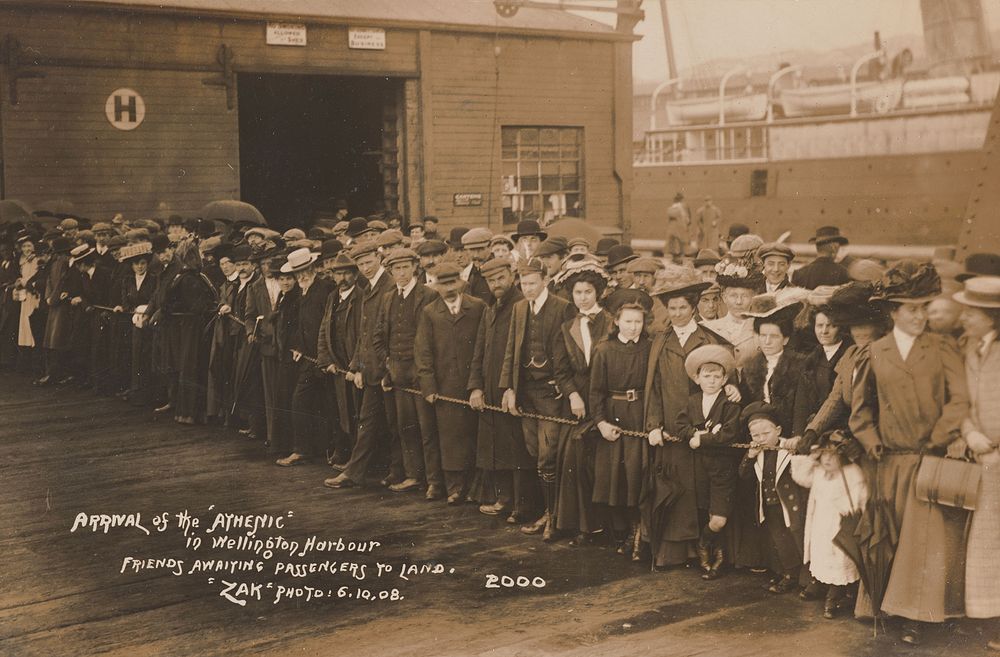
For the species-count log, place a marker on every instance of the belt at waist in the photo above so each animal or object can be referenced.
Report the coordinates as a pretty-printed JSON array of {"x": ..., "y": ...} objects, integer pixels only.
[{"x": 626, "y": 395}]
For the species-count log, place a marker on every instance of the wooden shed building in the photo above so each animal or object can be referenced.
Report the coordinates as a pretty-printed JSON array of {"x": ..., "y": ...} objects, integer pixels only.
[{"x": 425, "y": 107}]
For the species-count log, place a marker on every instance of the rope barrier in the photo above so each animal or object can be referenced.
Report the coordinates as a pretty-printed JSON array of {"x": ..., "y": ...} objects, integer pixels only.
[{"x": 532, "y": 416}]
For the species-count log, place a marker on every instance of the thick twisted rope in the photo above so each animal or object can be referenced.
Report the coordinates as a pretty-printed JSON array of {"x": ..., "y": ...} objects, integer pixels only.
[{"x": 333, "y": 369}]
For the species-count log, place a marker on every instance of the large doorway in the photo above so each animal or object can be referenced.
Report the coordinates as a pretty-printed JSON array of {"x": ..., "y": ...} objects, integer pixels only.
[{"x": 309, "y": 140}]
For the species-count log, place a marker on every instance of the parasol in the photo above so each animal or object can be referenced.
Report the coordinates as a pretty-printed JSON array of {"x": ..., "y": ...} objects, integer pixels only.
[
  {"x": 573, "y": 227},
  {"x": 11, "y": 210},
  {"x": 660, "y": 491},
  {"x": 232, "y": 212}
]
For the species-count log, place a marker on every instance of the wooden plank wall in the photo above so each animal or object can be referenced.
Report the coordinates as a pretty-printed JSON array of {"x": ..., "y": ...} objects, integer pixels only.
[
  {"x": 876, "y": 203},
  {"x": 541, "y": 82}
]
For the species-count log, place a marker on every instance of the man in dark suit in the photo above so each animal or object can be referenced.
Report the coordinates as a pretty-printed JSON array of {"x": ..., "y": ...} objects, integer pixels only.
[
  {"x": 536, "y": 369},
  {"x": 824, "y": 270},
  {"x": 338, "y": 340},
  {"x": 393, "y": 340},
  {"x": 261, "y": 302},
  {"x": 444, "y": 348},
  {"x": 307, "y": 400},
  {"x": 376, "y": 417},
  {"x": 476, "y": 243},
  {"x": 500, "y": 451}
]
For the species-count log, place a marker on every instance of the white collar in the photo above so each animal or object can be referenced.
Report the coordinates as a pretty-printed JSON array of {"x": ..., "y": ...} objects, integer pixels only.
[
  {"x": 408, "y": 287},
  {"x": 232, "y": 277},
  {"x": 594, "y": 311},
  {"x": 688, "y": 328},
  {"x": 831, "y": 350},
  {"x": 453, "y": 306},
  {"x": 378, "y": 276},
  {"x": 539, "y": 303},
  {"x": 90, "y": 271},
  {"x": 987, "y": 340},
  {"x": 904, "y": 341},
  {"x": 139, "y": 278},
  {"x": 466, "y": 273},
  {"x": 624, "y": 341},
  {"x": 101, "y": 250},
  {"x": 772, "y": 361},
  {"x": 346, "y": 293},
  {"x": 708, "y": 401}
]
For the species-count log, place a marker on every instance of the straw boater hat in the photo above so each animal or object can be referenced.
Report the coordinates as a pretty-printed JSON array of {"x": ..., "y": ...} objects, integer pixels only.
[
  {"x": 709, "y": 353},
  {"x": 137, "y": 250},
  {"x": 81, "y": 253},
  {"x": 677, "y": 281},
  {"x": 908, "y": 282},
  {"x": 299, "y": 260},
  {"x": 980, "y": 292}
]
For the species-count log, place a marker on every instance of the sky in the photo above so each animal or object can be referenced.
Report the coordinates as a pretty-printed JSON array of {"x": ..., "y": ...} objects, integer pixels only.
[{"x": 708, "y": 29}]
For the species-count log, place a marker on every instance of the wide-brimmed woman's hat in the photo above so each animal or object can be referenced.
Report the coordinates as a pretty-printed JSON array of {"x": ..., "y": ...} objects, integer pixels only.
[
  {"x": 677, "y": 281},
  {"x": 787, "y": 301},
  {"x": 908, "y": 282},
  {"x": 849, "y": 305},
  {"x": 980, "y": 292},
  {"x": 744, "y": 272},
  {"x": 709, "y": 353},
  {"x": 135, "y": 251},
  {"x": 298, "y": 260}
]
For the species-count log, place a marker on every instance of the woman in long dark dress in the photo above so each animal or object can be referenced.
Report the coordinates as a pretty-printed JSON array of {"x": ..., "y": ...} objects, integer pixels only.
[
  {"x": 285, "y": 318},
  {"x": 575, "y": 476},
  {"x": 617, "y": 377},
  {"x": 819, "y": 370},
  {"x": 188, "y": 305}
]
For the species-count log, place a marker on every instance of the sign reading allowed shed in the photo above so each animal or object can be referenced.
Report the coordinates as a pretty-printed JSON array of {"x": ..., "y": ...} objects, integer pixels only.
[{"x": 286, "y": 34}]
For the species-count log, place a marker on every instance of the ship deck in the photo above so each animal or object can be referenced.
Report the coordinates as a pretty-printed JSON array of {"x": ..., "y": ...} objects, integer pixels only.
[{"x": 64, "y": 452}]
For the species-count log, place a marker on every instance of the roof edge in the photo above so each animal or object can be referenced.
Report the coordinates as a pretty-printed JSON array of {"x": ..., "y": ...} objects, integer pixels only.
[{"x": 104, "y": 7}]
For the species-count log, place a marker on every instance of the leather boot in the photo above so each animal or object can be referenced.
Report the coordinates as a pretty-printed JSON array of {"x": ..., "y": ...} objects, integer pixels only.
[
  {"x": 705, "y": 551},
  {"x": 637, "y": 545},
  {"x": 718, "y": 558},
  {"x": 626, "y": 545},
  {"x": 550, "y": 532},
  {"x": 832, "y": 601}
]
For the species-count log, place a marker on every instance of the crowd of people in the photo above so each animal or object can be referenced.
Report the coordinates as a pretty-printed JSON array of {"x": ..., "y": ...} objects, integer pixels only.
[{"x": 730, "y": 410}]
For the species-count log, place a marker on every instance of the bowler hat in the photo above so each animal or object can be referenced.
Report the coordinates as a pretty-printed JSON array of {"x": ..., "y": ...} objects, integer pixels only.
[
  {"x": 827, "y": 234},
  {"x": 358, "y": 226},
  {"x": 980, "y": 264},
  {"x": 528, "y": 227},
  {"x": 620, "y": 253},
  {"x": 241, "y": 253},
  {"x": 604, "y": 245},
  {"x": 330, "y": 248},
  {"x": 455, "y": 237}
]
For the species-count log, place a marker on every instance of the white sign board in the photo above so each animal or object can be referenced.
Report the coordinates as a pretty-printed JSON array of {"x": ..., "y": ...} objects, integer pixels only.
[
  {"x": 125, "y": 109},
  {"x": 366, "y": 38},
  {"x": 286, "y": 34}
]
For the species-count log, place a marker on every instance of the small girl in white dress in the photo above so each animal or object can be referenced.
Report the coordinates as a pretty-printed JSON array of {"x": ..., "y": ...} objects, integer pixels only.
[{"x": 837, "y": 488}]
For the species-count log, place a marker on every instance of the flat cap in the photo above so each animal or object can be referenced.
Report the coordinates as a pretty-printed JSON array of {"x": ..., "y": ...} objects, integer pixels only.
[
  {"x": 432, "y": 247},
  {"x": 446, "y": 272},
  {"x": 358, "y": 251},
  {"x": 400, "y": 255},
  {"x": 775, "y": 249},
  {"x": 477, "y": 238},
  {"x": 496, "y": 264},
  {"x": 644, "y": 266}
]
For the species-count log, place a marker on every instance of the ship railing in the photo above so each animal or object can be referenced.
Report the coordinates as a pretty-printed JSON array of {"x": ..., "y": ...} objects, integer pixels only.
[
  {"x": 805, "y": 252},
  {"x": 735, "y": 142}
]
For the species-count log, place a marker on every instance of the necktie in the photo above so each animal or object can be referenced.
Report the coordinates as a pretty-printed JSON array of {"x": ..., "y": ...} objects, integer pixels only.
[
  {"x": 585, "y": 333},
  {"x": 767, "y": 383}
]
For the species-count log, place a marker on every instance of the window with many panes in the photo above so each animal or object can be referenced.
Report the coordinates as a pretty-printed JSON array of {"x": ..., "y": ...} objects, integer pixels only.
[{"x": 542, "y": 173}]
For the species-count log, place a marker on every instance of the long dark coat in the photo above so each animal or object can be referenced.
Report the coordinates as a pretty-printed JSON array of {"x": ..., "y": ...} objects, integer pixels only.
[
  {"x": 785, "y": 387},
  {"x": 673, "y": 465},
  {"x": 821, "y": 271},
  {"x": 477, "y": 286},
  {"x": 575, "y": 474},
  {"x": 62, "y": 279},
  {"x": 141, "y": 375},
  {"x": 338, "y": 341},
  {"x": 716, "y": 464},
  {"x": 443, "y": 351},
  {"x": 366, "y": 360},
  {"x": 818, "y": 377},
  {"x": 188, "y": 303},
  {"x": 500, "y": 444}
]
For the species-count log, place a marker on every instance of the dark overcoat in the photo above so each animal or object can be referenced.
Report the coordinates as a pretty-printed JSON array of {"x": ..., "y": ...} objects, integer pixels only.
[
  {"x": 500, "y": 444},
  {"x": 443, "y": 351}
]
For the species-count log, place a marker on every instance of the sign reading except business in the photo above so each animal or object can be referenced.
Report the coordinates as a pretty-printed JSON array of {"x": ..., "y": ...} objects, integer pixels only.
[
  {"x": 286, "y": 34},
  {"x": 468, "y": 200},
  {"x": 366, "y": 38},
  {"x": 125, "y": 109}
]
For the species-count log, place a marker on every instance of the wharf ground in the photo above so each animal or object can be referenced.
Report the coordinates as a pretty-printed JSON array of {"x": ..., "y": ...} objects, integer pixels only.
[{"x": 64, "y": 451}]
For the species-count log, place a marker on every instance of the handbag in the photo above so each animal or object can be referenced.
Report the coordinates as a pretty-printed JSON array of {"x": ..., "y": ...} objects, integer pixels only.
[{"x": 951, "y": 482}]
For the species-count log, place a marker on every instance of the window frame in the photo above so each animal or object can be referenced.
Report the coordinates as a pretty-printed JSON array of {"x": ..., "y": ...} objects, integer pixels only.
[{"x": 541, "y": 155}]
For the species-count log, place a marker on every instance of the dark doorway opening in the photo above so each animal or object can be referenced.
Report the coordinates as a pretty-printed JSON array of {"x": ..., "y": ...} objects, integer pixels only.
[{"x": 308, "y": 140}]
